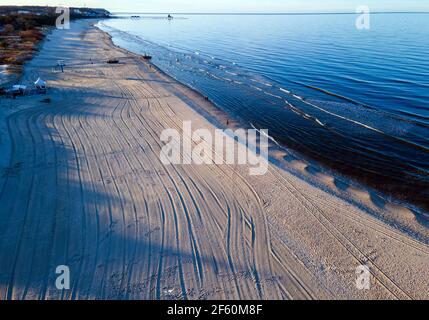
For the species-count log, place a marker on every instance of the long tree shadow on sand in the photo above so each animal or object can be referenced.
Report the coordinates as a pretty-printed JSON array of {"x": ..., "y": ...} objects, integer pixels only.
[{"x": 52, "y": 214}]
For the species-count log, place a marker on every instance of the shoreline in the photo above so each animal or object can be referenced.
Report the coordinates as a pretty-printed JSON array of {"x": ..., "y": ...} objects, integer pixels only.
[
  {"x": 357, "y": 193},
  {"x": 382, "y": 149},
  {"x": 92, "y": 194}
]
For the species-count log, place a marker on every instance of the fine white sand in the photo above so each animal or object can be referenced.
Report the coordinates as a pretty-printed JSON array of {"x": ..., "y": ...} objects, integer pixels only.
[{"x": 84, "y": 187}]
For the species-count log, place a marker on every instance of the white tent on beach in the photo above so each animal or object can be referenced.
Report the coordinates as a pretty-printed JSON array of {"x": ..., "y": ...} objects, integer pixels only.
[{"x": 40, "y": 84}]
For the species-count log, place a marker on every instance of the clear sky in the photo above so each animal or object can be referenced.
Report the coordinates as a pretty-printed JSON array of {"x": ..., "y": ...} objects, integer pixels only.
[{"x": 234, "y": 5}]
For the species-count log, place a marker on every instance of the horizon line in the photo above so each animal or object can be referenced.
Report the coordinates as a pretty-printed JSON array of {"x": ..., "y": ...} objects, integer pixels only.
[
  {"x": 226, "y": 13},
  {"x": 267, "y": 13}
]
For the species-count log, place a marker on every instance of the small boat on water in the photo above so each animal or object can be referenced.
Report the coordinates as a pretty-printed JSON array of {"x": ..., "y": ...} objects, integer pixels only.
[
  {"x": 170, "y": 17},
  {"x": 147, "y": 57}
]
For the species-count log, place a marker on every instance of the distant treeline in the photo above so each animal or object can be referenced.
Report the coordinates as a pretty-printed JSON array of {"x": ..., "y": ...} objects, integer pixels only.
[
  {"x": 28, "y": 17},
  {"x": 50, "y": 11}
]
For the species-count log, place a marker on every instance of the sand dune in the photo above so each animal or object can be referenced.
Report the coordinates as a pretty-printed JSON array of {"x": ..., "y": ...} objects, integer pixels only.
[{"x": 85, "y": 188}]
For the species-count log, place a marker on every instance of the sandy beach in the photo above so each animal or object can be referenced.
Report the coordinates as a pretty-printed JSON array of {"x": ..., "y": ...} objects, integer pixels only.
[{"x": 82, "y": 185}]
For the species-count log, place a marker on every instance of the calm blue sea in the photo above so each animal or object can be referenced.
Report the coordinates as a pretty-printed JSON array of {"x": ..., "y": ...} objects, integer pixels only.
[{"x": 356, "y": 101}]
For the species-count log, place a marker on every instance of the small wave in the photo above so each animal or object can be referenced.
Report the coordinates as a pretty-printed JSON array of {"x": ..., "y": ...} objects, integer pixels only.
[
  {"x": 319, "y": 122},
  {"x": 261, "y": 82},
  {"x": 415, "y": 145},
  {"x": 303, "y": 114},
  {"x": 257, "y": 88},
  {"x": 285, "y": 91},
  {"x": 213, "y": 76},
  {"x": 266, "y": 135},
  {"x": 272, "y": 95}
]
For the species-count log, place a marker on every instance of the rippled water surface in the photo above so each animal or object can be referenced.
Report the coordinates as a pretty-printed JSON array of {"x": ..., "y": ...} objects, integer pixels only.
[{"x": 356, "y": 101}]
